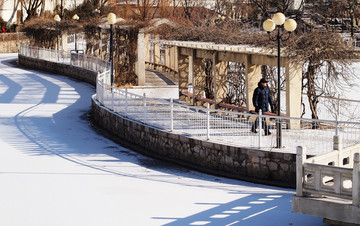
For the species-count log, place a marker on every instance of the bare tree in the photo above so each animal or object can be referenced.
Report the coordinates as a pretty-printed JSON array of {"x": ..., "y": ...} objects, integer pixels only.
[
  {"x": 31, "y": 8},
  {"x": 2, "y": 4},
  {"x": 146, "y": 8},
  {"x": 15, "y": 8},
  {"x": 236, "y": 84},
  {"x": 220, "y": 6}
]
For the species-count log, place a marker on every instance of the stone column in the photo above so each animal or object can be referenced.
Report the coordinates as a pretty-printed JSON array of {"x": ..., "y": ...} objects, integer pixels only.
[
  {"x": 183, "y": 66},
  {"x": 140, "y": 64},
  {"x": 253, "y": 76},
  {"x": 191, "y": 68},
  {"x": 199, "y": 77},
  {"x": 167, "y": 57},
  {"x": 157, "y": 54},
  {"x": 174, "y": 58},
  {"x": 220, "y": 79},
  {"x": 337, "y": 146},
  {"x": 300, "y": 160},
  {"x": 147, "y": 47},
  {"x": 64, "y": 41},
  {"x": 176, "y": 54},
  {"x": 293, "y": 92}
]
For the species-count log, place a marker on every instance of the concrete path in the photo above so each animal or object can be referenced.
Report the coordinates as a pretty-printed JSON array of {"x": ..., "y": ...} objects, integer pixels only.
[
  {"x": 56, "y": 170},
  {"x": 154, "y": 78}
]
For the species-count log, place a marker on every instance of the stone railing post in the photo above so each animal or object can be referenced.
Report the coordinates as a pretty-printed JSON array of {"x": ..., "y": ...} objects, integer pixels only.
[
  {"x": 300, "y": 160},
  {"x": 356, "y": 180},
  {"x": 337, "y": 146}
]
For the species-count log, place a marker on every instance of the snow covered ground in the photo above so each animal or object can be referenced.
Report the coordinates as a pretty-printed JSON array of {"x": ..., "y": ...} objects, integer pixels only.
[{"x": 56, "y": 170}]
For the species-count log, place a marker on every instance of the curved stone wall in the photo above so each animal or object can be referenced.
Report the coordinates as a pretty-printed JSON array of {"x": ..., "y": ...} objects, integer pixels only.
[
  {"x": 248, "y": 164},
  {"x": 236, "y": 162}
]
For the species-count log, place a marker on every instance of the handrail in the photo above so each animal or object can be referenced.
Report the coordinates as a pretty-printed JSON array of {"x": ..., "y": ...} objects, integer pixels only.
[
  {"x": 168, "y": 69},
  {"x": 314, "y": 176}
]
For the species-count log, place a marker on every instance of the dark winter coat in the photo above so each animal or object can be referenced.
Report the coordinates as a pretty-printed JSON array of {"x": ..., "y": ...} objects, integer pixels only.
[{"x": 262, "y": 98}]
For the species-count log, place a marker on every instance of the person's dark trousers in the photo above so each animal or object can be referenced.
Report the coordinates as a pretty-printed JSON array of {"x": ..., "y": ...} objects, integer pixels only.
[{"x": 264, "y": 126}]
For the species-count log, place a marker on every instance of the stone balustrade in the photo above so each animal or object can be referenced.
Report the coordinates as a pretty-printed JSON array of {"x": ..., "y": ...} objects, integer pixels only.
[{"x": 328, "y": 185}]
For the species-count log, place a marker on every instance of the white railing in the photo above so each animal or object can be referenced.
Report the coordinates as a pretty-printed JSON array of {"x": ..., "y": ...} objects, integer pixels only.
[
  {"x": 218, "y": 125},
  {"x": 335, "y": 174},
  {"x": 224, "y": 126},
  {"x": 65, "y": 57}
]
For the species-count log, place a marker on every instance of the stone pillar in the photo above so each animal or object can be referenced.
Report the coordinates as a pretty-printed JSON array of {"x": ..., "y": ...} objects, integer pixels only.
[
  {"x": 199, "y": 77},
  {"x": 356, "y": 180},
  {"x": 300, "y": 160},
  {"x": 183, "y": 66},
  {"x": 174, "y": 58},
  {"x": 167, "y": 57},
  {"x": 147, "y": 47},
  {"x": 253, "y": 76},
  {"x": 191, "y": 68},
  {"x": 337, "y": 146},
  {"x": 293, "y": 92},
  {"x": 64, "y": 41},
  {"x": 157, "y": 54},
  {"x": 140, "y": 63},
  {"x": 220, "y": 79}
]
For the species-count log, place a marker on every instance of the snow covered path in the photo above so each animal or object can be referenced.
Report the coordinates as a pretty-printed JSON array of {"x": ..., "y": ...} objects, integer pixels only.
[{"x": 56, "y": 170}]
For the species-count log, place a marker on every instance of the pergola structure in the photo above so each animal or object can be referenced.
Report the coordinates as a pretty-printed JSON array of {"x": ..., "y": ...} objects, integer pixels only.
[{"x": 187, "y": 58}]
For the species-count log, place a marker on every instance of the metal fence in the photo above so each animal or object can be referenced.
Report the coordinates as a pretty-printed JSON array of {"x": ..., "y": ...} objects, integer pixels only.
[
  {"x": 205, "y": 123},
  {"x": 65, "y": 57},
  {"x": 225, "y": 126}
]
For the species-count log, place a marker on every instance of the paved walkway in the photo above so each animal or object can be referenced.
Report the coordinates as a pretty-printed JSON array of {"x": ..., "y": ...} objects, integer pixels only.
[
  {"x": 56, "y": 170},
  {"x": 154, "y": 78}
]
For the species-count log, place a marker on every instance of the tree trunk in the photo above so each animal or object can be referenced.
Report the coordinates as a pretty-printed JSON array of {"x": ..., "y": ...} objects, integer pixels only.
[
  {"x": 311, "y": 91},
  {"x": 16, "y": 5}
]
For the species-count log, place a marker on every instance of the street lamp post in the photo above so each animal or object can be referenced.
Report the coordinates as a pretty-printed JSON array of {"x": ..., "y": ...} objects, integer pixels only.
[
  {"x": 112, "y": 20},
  {"x": 76, "y": 18},
  {"x": 269, "y": 25}
]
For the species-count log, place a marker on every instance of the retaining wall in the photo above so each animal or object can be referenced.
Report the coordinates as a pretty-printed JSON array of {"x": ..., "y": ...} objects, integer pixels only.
[
  {"x": 248, "y": 164},
  {"x": 235, "y": 162}
]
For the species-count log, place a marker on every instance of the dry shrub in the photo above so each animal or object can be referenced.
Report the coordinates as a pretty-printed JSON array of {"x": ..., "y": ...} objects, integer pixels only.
[
  {"x": 44, "y": 31},
  {"x": 8, "y": 37},
  {"x": 126, "y": 35}
]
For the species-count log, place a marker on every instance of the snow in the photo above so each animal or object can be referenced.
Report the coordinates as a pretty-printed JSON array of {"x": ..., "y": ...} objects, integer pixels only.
[{"x": 56, "y": 170}]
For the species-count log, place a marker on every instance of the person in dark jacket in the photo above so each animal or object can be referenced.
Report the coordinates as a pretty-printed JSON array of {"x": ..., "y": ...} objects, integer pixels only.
[{"x": 261, "y": 100}]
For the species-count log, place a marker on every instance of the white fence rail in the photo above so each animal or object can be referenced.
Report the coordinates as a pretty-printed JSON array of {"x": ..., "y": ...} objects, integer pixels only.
[
  {"x": 222, "y": 126},
  {"x": 75, "y": 59}
]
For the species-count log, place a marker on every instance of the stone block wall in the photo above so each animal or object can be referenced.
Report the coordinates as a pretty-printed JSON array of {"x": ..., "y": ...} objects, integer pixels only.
[{"x": 248, "y": 164}]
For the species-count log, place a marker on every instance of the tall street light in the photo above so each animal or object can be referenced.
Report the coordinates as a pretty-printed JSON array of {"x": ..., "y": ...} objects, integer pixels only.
[
  {"x": 278, "y": 21},
  {"x": 112, "y": 20},
  {"x": 76, "y": 18},
  {"x": 57, "y": 20}
]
